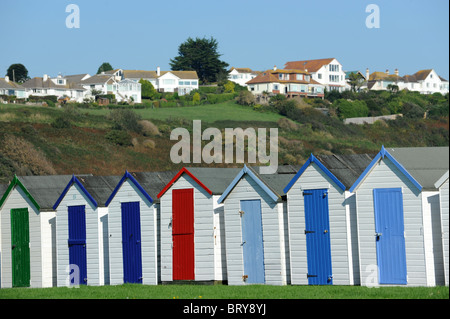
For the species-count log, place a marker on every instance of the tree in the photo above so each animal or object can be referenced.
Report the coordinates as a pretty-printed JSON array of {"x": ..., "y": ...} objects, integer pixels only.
[
  {"x": 104, "y": 67},
  {"x": 200, "y": 55},
  {"x": 148, "y": 91},
  {"x": 17, "y": 72},
  {"x": 356, "y": 80}
]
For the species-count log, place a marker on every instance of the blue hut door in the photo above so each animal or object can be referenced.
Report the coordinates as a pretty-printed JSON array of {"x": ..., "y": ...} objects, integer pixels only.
[
  {"x": 390, "y": 238},
  {"x": 131, "y": 243},
  {"x": 77, "y": 243},
  {"x": 252, "y": 241},
  {"x": 317, "y": 231}
]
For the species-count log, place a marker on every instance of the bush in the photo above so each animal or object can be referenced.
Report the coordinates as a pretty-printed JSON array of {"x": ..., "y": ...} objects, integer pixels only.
[
  {"x": 119, "y": 137},
  {"x": 125, "y": 119},
  {"x": 62, "y": 122},
  {"x": 246, "y": 98},
  {"x": 348, "y": 109}
]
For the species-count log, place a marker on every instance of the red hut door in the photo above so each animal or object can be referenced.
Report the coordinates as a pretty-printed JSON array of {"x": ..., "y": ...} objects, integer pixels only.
[{"x": 183, "y": 234}]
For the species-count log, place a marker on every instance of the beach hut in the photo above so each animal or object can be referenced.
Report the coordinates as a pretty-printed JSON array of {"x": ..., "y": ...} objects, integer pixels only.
[
  {"x": 81, "y": 227},
  {"x": 322, "y": 225},
  {"x": 399, "y": 227},
  {"x": 442, "y": 185},
  {"x": 256, "y": 228},
  {"x": 27, "y": 231},
  {"x": 132, "y": 233},
  {"x": 192, "y": 247}
]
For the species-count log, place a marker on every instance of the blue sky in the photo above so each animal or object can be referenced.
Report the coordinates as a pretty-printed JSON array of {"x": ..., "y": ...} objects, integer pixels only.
[{"x": 134, "y": 34}]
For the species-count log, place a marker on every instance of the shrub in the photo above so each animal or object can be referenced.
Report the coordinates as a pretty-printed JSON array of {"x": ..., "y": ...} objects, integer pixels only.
[
  {"x": 62, "y": 122},
  {"x": 148, "y": 128},
  {"x": 196, "y": 97},
  {"x": 246, "y": 98},
  {"x": 348, "y": 109},
  {"x": 119, "y": 137},
  {"x": 125, "y": 119}
]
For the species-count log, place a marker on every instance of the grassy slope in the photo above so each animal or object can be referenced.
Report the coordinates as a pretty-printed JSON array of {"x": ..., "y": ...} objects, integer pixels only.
[
  {"x": 130, "y": 291},
  {"x": 84, "y": 148}
]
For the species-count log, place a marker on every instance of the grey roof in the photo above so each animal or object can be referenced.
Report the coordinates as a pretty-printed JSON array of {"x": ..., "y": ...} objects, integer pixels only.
[
  {"x": 277, "y": 181},
  {"x": 346, "y": 168},
  {"x": 10, "y": 85},
  {"x": 39, "y": 82},
  {"x": 216, "y": 179},
  {"x": 97, "y": 79},
  {"x": 153, "y": 182},
  {"x": 99, "y": 187},
  {"x": 426, "y": 164},
  {"x": 45, "y": 189}
]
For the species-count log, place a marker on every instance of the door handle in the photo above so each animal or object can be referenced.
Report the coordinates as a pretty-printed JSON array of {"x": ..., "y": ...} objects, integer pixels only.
[
  {"x": 325, "y": 231},
  {"x": 378, "y": 236},
  {"x": 13, "y": 246},
  {"x": 244, "y": 242}
]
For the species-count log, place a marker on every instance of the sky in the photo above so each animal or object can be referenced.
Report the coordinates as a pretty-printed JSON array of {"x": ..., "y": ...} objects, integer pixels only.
[{"x": 257, "y": 34}]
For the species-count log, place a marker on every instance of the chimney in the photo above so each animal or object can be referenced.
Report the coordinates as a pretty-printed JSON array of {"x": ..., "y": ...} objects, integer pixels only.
[
  {"x": 275, "y": 68},
  {"x": 45, "y": 77},
  {"x": 387, "y": 71},
  {"x": 158, "y": 71},
  {"x": 6, "y": 79},
  {"x": 367, "y": 74},
  {"x": 396, "y": 72}
]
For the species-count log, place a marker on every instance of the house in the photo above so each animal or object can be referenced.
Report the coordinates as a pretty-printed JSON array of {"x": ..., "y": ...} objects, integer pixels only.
[
  {"x": 322, "y": 220},
  {"x": 192, "y": 243},
  {"x": 257, "y": 247},
  {"x": 423, "y": 81},
  {"x": 182, "y": 82},
  {"x": 10, "y": 88},
  {"x": 241, "y": 75},
  {"x": 27, "y": 231},
  {"x": 328, "y": 72},
  {"x": 124, "y": 90},
  {"x": 399, "y": 223},
  {"x": 290, "y": 82},
  {"x": 59, "y": 87},
  {"x": 81, "y": 231},
  {"x": 132, "y": 229}
]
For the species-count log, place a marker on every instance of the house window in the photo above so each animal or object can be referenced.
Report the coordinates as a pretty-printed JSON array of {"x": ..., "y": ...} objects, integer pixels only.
[
  {"x": 319, "y": 76},
  {"x": 307, "y": 78},
  {"x": 300, "y": 77},
  {"x": 334, "y": 67},
  {"x": 169, "y": 81},
  {"x": 275, "y": 86},
  {"x": 193, "y": 82}
]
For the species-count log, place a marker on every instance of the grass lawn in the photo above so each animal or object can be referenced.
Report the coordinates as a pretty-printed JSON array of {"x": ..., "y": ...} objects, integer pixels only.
[
  {"x": 207, "y": 113},
  {"x": 129, "y": 291}
]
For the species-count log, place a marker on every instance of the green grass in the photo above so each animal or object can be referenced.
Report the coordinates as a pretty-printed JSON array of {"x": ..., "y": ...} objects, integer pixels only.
[
  {"x": 129, "y": 291},
  {"x": 207, "y": 113}
]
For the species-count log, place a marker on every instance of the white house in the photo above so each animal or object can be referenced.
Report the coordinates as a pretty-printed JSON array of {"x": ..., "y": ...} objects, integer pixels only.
[
  {"x": 182, "y": 82},
  {"x": 58, "y": 86},
  {"x": 124, "y": 90},
  {"x": 423, "y": 81},
  {"x": 328, "y": 72},
  {"x": 241, "y": 75},
  {"x": 8, "y": 87},
  {"x": 290, "y": 82}
]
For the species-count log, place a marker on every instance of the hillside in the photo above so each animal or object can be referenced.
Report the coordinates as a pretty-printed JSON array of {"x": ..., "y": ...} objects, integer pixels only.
[{"x": 70, "y": 140}]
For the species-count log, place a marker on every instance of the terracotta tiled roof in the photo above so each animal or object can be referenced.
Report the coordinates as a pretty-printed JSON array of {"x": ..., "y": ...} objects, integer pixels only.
[
  {"x": 271, "y": 76},
  {"x": 310, "y": 65}
]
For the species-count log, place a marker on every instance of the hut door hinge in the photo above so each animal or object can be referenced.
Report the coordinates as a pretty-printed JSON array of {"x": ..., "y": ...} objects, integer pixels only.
[
  {"x": 241, "y": 213},
  {"x": 310, "y": 276},
  {"x": 244, "y": 278}
]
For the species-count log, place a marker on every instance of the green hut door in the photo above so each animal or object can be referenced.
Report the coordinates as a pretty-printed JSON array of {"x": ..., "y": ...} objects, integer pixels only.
[{"x": 20, "y": 247}]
